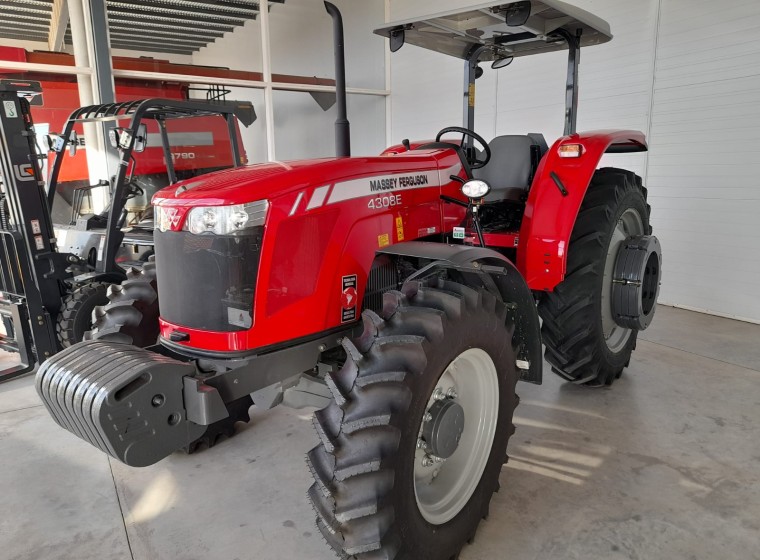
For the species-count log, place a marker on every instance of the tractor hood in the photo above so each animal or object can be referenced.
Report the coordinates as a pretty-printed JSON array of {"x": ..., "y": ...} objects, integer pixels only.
[{"x": 269, "y": 181}]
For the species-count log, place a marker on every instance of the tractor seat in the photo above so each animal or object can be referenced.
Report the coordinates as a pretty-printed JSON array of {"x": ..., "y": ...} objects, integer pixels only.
[{"x": 513, "y": 164}]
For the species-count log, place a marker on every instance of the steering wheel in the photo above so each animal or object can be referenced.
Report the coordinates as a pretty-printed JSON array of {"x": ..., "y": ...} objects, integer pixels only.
[{"x": 471, "y": 155}]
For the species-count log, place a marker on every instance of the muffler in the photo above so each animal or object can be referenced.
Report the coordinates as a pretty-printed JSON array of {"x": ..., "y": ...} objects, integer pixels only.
[{"x": 126, "y": 401}]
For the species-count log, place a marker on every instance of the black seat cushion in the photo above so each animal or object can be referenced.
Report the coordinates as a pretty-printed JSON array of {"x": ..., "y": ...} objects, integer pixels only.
[{"x": 511, "y": 167}]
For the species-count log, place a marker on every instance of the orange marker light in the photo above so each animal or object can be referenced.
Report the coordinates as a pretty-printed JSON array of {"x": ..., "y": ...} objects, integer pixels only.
[{"x": 570, "y": 150}]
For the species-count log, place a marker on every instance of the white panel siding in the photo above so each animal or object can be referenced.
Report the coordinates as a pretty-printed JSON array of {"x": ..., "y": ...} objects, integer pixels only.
[
  {"x": 704, "y": 167},
  {"x": 687, "y": 73}
]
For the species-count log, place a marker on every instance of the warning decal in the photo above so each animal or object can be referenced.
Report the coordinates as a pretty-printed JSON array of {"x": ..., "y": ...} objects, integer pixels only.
[{"x": 348, "y": 299}]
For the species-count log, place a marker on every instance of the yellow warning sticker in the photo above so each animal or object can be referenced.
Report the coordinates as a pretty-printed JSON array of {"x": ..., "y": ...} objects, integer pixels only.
[
  {"x": 471, "y": 100},
  {"x": 399, "y": 228},
  {"x": 383, "y": 240}
]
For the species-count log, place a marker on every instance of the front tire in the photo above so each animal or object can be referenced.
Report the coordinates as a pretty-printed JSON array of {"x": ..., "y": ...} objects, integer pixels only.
[
  {"x": 131, "y": 313},
  {"x": 583, "y": 343},
  {"x": 372, "y": 493},
  {"x": 75, "y": 317}
]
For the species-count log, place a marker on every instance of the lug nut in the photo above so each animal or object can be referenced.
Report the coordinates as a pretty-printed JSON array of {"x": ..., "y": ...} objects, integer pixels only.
[
  {"x": 420, "y": 443},
  {"x": 428, "y": 417},
  {"x": 451, "y": 393},
  {"x": 438, "y": 394},
  {"x": 427, "y": 461}
]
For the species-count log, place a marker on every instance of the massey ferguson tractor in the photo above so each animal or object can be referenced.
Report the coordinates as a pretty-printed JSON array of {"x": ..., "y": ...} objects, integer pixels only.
[{"x": 400, "y": 294}]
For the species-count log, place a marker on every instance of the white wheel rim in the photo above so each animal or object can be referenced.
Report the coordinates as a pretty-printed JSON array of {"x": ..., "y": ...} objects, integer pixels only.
[
  {"x": 629, "y": 224},
  {"x": 444, "y": 488}
]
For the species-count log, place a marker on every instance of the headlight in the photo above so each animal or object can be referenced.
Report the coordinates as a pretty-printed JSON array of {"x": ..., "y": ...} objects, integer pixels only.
[
  {"x": 475, "y": 189},
  {"x": 226, "y": 220}
]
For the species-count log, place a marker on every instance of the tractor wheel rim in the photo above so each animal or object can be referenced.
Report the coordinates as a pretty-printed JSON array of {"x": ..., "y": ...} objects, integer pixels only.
[
  {"x": 443, "y": 488},
  {"x": 628, "y": 225}
]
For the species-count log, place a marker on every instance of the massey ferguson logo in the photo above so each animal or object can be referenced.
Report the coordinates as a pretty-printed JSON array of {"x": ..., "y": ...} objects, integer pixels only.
[
  {"x": 172, "y": 216},
  {"x": 24, "y": 172}
]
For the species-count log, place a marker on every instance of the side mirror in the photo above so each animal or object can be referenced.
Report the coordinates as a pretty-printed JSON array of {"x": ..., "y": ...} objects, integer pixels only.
[
  {"x": 141, "y": 139},
  {"x": 73, "y": 143},
  {"x": 518, "y": 14},
  {"x": 54, "y": 142},
  {"x": 397, "y": 38},
  {"x": 502, "y": 62}
]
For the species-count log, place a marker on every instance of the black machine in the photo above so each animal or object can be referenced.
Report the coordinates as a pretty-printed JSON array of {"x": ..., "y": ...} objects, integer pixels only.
[{"x": 47, "y": 294}]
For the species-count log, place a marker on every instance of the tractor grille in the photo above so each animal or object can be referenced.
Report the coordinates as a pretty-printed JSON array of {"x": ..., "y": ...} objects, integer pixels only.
[{"x": 207, "y": 282}]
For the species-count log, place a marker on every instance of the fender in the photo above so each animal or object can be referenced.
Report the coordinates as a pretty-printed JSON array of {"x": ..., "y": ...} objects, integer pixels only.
[
  {"x": 483, "y": 268},
  {"x": 550, "y": 214}
]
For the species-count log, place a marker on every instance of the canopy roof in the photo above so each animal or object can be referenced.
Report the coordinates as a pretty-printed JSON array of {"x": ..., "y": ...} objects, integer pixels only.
[{"x": 456, "y": 32}]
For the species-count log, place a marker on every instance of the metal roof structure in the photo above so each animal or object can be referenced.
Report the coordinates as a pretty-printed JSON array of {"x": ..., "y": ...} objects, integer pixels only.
[
  {"x": 456, "y": 32},
  {"x": 167, "y": 26}
]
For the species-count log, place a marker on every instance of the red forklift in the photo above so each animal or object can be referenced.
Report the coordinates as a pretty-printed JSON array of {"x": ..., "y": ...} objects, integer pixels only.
[{"x": 400, "y": 294}]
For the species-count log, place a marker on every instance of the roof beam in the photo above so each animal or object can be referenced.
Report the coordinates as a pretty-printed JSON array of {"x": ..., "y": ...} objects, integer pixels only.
[
  {"x": 19, "y": 11},
  {"x": 246, "y": 10},
  {"x": 154, "y": 47},
  {"x": 21, "y": 36},
  {"x": 156, "y": 28},
  {"x": 59, "y": 21},
  {"x": 130, "y": 16},
  {"x": 29, "y": 4},
  {"x": 198, "y": 14},
  {"x": 185, "y": 43},
  {"x": 31, "y": 25},
  {"x": 154, "y": 34}
]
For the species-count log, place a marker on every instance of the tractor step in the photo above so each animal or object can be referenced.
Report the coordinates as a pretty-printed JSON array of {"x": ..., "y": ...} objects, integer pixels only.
[{"x": 126, "y": 401}]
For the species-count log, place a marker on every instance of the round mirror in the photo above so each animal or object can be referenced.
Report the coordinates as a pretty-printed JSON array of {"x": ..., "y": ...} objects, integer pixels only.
[{"x": 502, "y": 62}]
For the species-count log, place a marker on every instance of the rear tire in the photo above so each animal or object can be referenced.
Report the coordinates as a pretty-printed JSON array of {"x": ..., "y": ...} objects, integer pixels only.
[
  {"x": 368, "y": 494},
  {"x": 75, "y": 317},
  {"x": 581, "y": 344}
]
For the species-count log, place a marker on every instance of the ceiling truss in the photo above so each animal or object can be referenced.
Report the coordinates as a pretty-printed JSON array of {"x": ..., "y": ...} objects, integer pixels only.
[{"x": 162, "y": 26}]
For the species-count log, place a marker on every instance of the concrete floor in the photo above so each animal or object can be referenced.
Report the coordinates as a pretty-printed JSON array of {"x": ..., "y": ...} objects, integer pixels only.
[{"x": 666, "y": 465}]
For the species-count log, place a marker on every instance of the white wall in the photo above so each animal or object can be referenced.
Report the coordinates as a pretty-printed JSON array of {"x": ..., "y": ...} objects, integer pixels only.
[
  {"x": 301, "y": 44},
  {"x": 704, "y": 167},
  {"x": 686, "y": 73}
]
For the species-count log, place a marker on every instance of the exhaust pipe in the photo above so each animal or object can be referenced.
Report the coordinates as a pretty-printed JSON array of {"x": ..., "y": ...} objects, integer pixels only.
[{"x": 342, "y": 126}]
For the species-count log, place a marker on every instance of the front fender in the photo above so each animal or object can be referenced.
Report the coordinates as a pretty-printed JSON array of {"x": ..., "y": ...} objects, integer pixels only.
[
  {"x": 550, "y": 214},
  {"x": 480, "y": 267}
]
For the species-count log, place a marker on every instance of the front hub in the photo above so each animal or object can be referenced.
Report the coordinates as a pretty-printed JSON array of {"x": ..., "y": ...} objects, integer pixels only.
[{"x": 444, "y": 428}]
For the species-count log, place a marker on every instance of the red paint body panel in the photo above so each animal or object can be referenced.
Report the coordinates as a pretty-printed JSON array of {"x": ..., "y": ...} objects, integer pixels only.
[
  {"x": 549, "y": 216},
  {"x": 322, "y": 225}
]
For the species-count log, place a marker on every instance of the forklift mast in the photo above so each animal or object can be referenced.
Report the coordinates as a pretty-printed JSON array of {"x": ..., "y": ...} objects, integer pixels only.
[{"x": 31, "y": 270}]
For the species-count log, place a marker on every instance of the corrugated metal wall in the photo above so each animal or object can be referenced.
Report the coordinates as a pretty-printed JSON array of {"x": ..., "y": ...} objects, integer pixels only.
[
  {"x": 686, "y": 72},
  {"x": 704, "y": 164}
]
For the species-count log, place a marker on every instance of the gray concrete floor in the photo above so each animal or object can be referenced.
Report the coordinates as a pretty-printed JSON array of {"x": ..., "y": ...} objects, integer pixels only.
[{"x": 665, "y": 465}]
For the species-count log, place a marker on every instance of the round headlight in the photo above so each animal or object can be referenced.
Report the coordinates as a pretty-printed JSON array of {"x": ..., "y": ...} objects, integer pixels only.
[
  {"x": 476, "y": 189},
  {"x": 209, "y": 218}
]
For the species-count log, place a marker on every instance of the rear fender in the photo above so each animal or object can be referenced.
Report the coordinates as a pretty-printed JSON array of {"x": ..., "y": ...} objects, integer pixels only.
[
  {"x": 479, "y": 267},
  {"x": 550, "y": 214}
]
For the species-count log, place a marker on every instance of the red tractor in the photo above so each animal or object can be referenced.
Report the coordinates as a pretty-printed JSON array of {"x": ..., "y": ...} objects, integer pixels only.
[{"x": 398, "y": 293}]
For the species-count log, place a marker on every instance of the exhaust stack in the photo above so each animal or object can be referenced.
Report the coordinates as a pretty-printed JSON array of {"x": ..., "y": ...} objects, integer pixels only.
[{"x": 342, "y": 126}]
